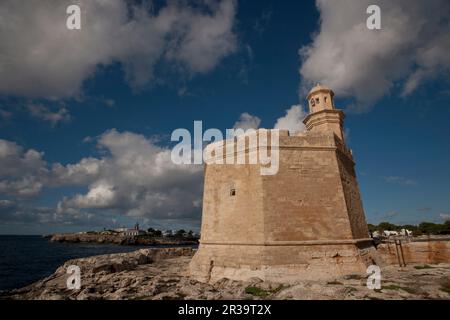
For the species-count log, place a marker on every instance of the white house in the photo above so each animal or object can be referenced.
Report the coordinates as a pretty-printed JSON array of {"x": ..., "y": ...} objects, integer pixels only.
[
  {"x": 388, "y": 233},
  {"x": 406, "y": 233},
  {"x": 167, "y": 233},
  {"x": 131, "y": 232}
]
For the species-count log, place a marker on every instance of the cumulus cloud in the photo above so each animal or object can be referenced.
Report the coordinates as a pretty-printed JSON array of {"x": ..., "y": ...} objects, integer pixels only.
[
  {"x": 45, "y": 113},
  {"x": 17, "y": 213},
  {"x": 42, "y": 58},
  {"x": 293, "y": 120},
  {"x": 12, "y": 212},
  {"x": 445, "y": 216},
  {"x": 23, "y": 187},
  {"x": 135, "y": 178},
  {"x": 21, "y": 172},
  {"x": 78, "y": 174},
  {"x": 247, "y": 121},
  {"x": 365, "y": 64}
]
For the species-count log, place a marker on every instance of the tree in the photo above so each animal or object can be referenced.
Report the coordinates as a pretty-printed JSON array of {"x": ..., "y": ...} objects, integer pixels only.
[
  {"x": 180, "y": 233},
  {"x": 446, "y": 228},
  {"x": 387, "y": 226},
  {"x": 157, "y": 233},
  {"x": 429, "y": 228}
]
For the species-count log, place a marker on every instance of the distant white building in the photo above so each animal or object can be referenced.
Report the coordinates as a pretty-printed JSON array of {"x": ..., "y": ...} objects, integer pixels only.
[
  {"x": 388, "y": 233},
  {"x": 376, "y": 234},
  {"x": 167, "y": 233},
  {"x": 131, "y": 232},
  {"x": 406, "y": 233}
]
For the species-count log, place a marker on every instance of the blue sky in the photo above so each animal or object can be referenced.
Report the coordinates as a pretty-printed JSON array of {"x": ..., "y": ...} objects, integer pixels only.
[{"x": 88, "y": 108}]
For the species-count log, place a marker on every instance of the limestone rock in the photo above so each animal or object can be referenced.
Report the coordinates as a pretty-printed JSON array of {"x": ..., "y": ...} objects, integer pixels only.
[{"x": 161, "y": 274}]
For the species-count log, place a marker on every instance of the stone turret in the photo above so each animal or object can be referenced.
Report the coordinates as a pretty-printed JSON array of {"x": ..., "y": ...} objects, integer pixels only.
[
  {"x": 323, "y": 116},
  {"x": 304, "y": 222}
]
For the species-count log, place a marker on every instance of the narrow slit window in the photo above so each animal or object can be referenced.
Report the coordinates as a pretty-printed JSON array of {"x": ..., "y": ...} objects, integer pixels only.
[{"x": 232, "y": 192}]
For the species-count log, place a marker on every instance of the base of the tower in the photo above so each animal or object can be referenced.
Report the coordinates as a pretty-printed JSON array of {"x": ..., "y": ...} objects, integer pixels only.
[{"x": 283, "y": 262}]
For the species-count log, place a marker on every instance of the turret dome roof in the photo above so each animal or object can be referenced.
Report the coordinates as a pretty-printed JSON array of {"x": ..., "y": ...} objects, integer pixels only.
[{"x": 318, "y": 87}]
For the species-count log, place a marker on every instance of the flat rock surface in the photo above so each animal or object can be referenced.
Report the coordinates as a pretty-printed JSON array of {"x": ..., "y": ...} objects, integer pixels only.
[{"x": 162, "y": 274}]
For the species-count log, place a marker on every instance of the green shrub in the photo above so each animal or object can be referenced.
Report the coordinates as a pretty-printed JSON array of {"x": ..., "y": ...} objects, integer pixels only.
[
  {"x": 255, "y": 291},
  {"x": 425, "y": 266}
]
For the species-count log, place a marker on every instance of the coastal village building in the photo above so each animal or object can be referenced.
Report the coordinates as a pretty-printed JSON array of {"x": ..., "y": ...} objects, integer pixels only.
[
  {"x": 305, "y": 222},
  {"x": 131, "y": 232},
  {"x": 167, "y": 233}
]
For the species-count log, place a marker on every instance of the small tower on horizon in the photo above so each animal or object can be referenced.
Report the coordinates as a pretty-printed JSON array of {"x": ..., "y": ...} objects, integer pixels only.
[{"x": 323, "y": 116}]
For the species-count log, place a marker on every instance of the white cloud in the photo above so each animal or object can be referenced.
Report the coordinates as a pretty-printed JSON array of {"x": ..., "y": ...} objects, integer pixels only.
[
  {"x": 79, "y": 174},
  {"x": 44, "y": 113},
  {"x": 26, "y": 186},
  {"x": 12, "y": 212},
  {"x": 18, "y": 213},
  {"x": 15, "y": 161},
  {"x": 247, "y": 121},
  {"x": 136, "y": 178},
  {"x": 365, "y": 64},
  {"x": 445, "y": 216},
  {"x": 42, "y": 58},
  {"x": 205, "y": 38},
  {"x": 100, "y": 195},
  {"x": 21, "y": 172},
  {"x": 293, "y": 120}
]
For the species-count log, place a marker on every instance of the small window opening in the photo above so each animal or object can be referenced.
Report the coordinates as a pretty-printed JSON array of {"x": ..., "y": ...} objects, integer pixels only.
[
  {"x": 312, "y": 103},
  {"x": 232, "y": 192},
  {"x": 317, "y": 100}
]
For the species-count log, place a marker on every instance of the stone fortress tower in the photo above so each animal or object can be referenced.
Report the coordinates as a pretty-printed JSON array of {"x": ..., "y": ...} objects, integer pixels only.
[{"x": 305, "y": 222}]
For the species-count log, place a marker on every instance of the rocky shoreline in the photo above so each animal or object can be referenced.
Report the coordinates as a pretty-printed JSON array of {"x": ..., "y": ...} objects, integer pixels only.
[
  {"x": 119, "y": 239},
  {"x": 163, "y": 274}
]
